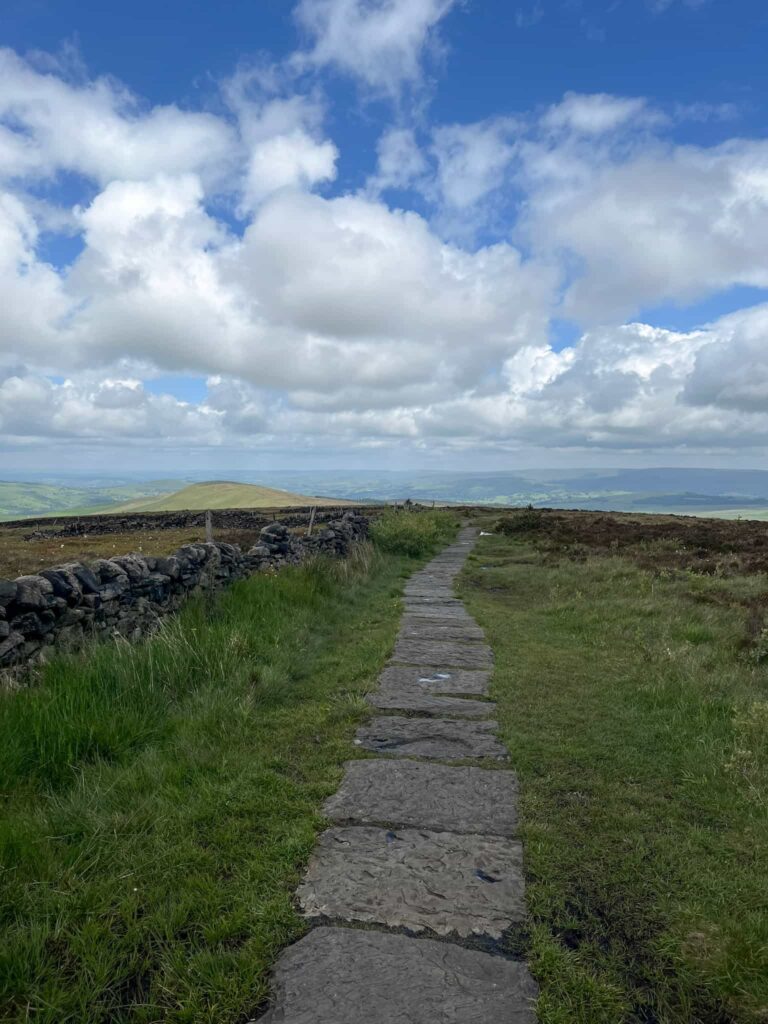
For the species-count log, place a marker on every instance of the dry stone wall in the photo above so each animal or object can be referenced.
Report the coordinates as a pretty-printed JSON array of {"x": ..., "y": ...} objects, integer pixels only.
[{"x": 62, "y": 607}]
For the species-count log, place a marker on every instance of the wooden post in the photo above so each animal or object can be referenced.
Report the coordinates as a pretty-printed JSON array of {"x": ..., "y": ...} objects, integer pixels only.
[
  {"x": 208, "y": 527},
  {"x": 311, "y": 520}
]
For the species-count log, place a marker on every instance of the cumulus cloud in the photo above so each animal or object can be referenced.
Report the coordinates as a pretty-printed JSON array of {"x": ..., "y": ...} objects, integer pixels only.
[
  {"x": 596, "y": 113},
  {"x": 731, "y": 370},
  {"x": 110, "y": 409},
  {"x": 472, "y": 159},
  {"x": 401, "y": 162},
  {"x": 327, "y": 316},
  {"x": 379, "y": 42},
  {"x": 99, "y": 129},
  {"x": 673, "y": 223}
]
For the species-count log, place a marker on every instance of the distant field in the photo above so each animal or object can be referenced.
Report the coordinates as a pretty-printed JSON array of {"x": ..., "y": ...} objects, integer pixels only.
[
  {"x": 20, "y": 499},
  {"x": 222, "y": 494},
  {"x": 760, "y": 514}
]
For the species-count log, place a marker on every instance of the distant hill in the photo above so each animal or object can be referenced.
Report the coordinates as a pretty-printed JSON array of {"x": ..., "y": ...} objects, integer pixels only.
[
  {"x": 221, "y": 494},
  {"x": 21, "y": 499}
]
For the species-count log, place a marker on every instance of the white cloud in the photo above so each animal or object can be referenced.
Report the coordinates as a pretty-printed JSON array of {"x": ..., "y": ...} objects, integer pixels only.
[
  {"x": 472, "y": 159},
  {"x": 380, "y": 42},
  {"x": 731, "y": 370},
  {"x": 281, "y": 136},
  {"x": 287, "y": 161},
  {"x": 32, "y": 298},
  {"x": 595, "y": 113},
  {"x": 336, "y": 319},
  {"x": 98, "y": 129},
  {"x": 401, "y": 163},
  {"x": 658, "y": 224},
  {"x": 120, "y": 411}
]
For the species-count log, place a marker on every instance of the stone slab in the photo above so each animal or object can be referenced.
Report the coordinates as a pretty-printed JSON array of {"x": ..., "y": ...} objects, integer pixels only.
[
  {"x": 437, "y": 679},
  {"x": 437, "y": 610},
  {"x": 414, "y": 651},
  {"x": 422, "y": 703},
  {"x": 460, "y": 631},
  {"x": 429, "y": 593},
  {"x": 443, "y": 578},
  {"x": 427, "y": 590},
  {"x": 429, "y": 796},
  {"x": 439, "y": 575},
  {"x": 351, "y": 976},
  {"x": 444, "y": 739},
  {"x": 463, "y": 885}
]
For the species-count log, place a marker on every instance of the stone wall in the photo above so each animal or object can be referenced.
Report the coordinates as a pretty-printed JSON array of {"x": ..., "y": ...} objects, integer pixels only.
[
  {"x": 63, "y": 607},
  {"x": 225, "y": 519}
]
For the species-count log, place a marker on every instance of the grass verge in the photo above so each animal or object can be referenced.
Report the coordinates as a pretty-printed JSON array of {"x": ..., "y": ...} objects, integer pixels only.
[
  {"x": 637, "y": 720},
  {"x": 413, "y": 533},
  {"x": 160, "y": 801}
]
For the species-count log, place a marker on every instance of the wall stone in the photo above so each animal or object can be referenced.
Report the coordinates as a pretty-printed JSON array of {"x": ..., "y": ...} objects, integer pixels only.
[{"x": 63, "y": 607}]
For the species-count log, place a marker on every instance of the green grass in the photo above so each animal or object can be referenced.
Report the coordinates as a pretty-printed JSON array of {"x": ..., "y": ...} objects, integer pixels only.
[
  {"x": 413, "y": 533},
  {"x": 20, "y": 500},
  {"x": 159, "y": 802},
  {"x": 637, "y": 717}
]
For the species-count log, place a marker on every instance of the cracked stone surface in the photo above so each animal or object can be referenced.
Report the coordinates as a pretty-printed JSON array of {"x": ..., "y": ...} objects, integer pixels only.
[
  {"x": 424, "y": 703},
  {"x": 441, "y": 738},
  {"x": 463, "y": 885},
  {"x": 428, "y": 594},
  {"x": 415, "y": 651},
  {"x": 462, "y": 631},
  {"x": 436, "y": 610},
  {"x": 430, "y": 796},
  {"x": 436, "y": 679},
  {"x": 350, "y": 976}
]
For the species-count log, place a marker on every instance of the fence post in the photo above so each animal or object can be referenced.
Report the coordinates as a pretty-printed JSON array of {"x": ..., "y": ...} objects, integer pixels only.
[
  {"x": 311, "y": 520},
  {"x": 208, "y": 527}
]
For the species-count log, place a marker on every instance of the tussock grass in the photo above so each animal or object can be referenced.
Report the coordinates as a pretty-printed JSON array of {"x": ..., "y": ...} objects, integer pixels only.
[
  {"x": 637, "y": 719},
  {"x": 159, "y": 801},
  {"x": 413, "y": 533}
]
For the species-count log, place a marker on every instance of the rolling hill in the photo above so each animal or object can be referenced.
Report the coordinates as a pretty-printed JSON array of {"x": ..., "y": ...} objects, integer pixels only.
[
  {"x": 221, "y": 494},
  {"x": 20, "y": 499}
]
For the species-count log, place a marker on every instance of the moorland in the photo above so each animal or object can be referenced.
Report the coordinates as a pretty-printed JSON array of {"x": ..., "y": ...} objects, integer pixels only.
[{"x": 162, "y": 799}]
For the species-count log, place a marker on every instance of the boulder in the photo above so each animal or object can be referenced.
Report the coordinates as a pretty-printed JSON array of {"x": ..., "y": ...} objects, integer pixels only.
[
  {"x": 11, "y": 648},
  {"x": 33, "y": 593},
  {"x": 170, "y": 567},
  {"x": 8, "y": 590},
  {"x": 88, "y": 580},
  {"x": 64, "y": 582},
  {"x": 33, "y": 624},
  {"x": 134, "y": 567},
  {"x": 109, "y": 571}
]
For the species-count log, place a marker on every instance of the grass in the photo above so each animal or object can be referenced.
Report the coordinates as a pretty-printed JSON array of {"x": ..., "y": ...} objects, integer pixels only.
[
  {"x": 635, "y": 706},
  {"x": 160, "y": 801},
  {"x": 27, "y": 499},
  {"x": 222, "y": 494},
  {"x": 19, "y": 556},
  {"x": 413, "y": 533}
]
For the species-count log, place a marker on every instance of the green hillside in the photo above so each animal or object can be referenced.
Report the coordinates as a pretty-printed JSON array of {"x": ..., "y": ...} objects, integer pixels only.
[
  {"x": 20, "y": 499},
  {"x": 221, "y": 494}
]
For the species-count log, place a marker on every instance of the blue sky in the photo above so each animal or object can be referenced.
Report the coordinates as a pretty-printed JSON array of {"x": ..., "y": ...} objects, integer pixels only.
[{"x": 383, "y": 232}]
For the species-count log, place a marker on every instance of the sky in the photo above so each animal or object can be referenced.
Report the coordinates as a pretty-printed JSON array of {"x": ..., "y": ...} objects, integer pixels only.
[{"x": 392, "y": 234}]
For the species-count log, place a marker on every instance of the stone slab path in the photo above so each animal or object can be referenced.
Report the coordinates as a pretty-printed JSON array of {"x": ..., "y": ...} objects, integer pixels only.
[{"x": 419, "y": 878}]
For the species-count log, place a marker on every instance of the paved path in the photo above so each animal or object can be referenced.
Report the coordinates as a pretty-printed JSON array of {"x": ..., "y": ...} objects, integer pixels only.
[{"x": 420, "y": 876}]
